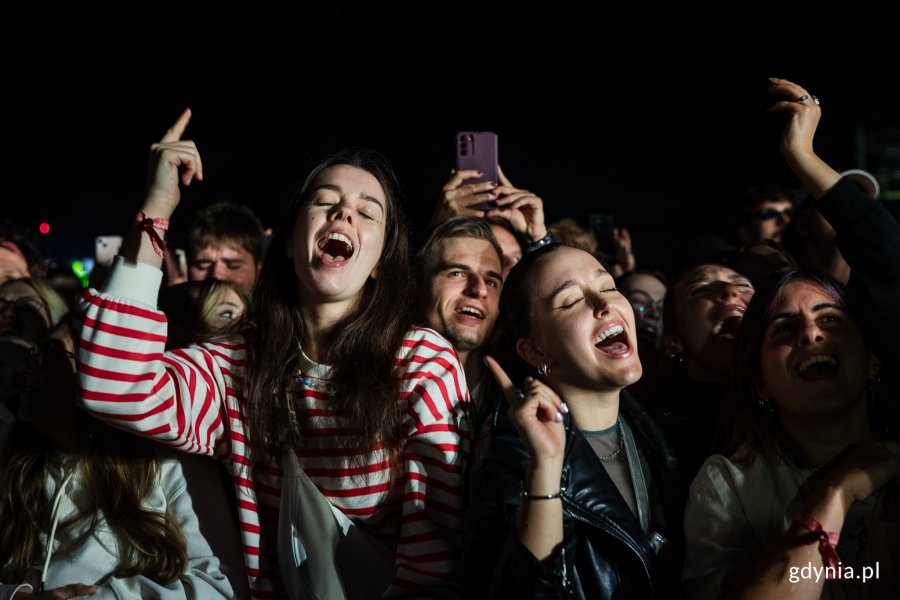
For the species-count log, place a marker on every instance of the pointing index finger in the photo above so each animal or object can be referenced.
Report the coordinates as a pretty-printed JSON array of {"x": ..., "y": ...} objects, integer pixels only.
[
  {"x": 174, "y": 133},
  {"x": 503, "y": 380}
]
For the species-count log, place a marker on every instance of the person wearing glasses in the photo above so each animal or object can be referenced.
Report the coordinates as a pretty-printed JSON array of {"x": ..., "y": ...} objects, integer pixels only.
[
  {"x": 765, "y": 212},
  {"x": 646, "y": 291}
]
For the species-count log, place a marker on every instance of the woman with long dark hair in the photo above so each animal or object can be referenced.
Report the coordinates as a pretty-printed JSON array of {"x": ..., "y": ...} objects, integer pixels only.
[
  {"x": 804, "y": 499},
  {"x": 329, "y": 410},
  {"x": 811, "y": 451}
]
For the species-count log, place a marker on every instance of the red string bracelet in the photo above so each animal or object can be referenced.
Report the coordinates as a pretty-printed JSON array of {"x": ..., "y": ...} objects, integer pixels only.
[
  {"x": 827, "y": 542},
  {"x": 150, "y": 226}
]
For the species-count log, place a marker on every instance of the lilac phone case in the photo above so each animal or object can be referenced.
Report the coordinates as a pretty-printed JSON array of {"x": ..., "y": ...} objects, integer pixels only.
[{"x": 478, "y": 150}]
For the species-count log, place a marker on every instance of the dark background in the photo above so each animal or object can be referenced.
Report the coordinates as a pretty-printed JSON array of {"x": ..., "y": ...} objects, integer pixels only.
[{"x": 657, "y": 114}]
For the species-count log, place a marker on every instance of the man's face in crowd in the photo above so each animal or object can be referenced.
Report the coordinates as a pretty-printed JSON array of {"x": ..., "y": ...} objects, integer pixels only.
[
  {"x": 226, "y": 261},
  {"x": 465, "y": 292}
]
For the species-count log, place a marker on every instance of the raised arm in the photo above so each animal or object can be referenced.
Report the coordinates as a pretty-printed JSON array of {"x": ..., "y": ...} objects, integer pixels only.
[
  {"x": 536, "y": 414},
  {"x": 515, "y": 539},
  {"x": 803, "y": 110},
  {"x": 867, "y": 234},
  {"x": 172, "y": 160},
  {"x": 127, "y": 379}
]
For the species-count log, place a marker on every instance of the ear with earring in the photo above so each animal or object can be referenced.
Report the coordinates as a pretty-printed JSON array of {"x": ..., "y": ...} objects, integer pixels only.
[
  {"x": 765, "y": 403},
  {"x": 534, "y": 356}
]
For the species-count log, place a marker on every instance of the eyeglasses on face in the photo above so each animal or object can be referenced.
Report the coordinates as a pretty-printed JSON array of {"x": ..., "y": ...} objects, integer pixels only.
[
  {"x": 769, "y": 214},
  {"x": 642, "y": 303}
]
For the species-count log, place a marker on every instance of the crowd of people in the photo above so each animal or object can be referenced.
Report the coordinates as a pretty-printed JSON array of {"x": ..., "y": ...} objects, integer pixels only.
[{"x": 507, "y": 408}]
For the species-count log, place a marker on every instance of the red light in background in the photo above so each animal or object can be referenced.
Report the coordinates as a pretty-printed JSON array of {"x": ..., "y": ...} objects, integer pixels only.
[{"x": 44, "y": 228}]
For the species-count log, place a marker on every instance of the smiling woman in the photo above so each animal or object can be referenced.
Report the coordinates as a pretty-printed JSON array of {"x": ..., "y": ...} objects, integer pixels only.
[
  {"x": 807, "y": 449},
  {"x": 813, "y": 460},
  {"x": 574, "y": 494},
  {"x": 343, "y": 428}
]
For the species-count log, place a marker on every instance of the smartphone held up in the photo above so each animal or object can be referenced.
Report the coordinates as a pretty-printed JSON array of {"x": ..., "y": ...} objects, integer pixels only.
[{"x": 477, "y": 150}]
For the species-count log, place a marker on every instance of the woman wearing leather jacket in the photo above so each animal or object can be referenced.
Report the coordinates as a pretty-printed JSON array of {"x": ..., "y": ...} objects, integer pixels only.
[{"x": 568, "y": 493}]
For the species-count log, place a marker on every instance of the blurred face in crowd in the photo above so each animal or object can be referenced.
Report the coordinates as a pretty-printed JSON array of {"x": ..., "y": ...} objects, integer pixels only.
[
  {"x": 22, "y": 311},
  {"x": 339, "y": 236},
  {"x": 12, "y": 263},
  {"x": 582, "y": 327},
  {"x": 814, "y": 361},
  {"x": 225, "y": 261},
  {"x": 465, "y": 292},
  {"x": 48, "y": 401},
  {"x": 512, "y": 250},
  {"x": 646, "y": 294},
  {"x": 226, "y": 307},
  {"x": 710, "y": 302},
  {"x": 768, "y": 220}
]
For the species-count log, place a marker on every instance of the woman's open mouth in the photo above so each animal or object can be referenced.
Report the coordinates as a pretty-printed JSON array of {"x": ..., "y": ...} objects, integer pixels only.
[
  {"x": 613, "y": 342},
  {"x": 335, "y": 249},
  {"x": 821, "y": 366},
  {"x": 728, "y": 325}
]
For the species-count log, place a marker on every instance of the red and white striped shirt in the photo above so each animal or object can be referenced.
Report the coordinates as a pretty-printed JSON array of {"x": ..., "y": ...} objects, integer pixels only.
[{"x": 187, "y": 398}]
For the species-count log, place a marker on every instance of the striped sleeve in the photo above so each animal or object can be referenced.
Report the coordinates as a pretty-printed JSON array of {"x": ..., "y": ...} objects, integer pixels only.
[
  {"x": 427, "y": 556},
  {"x": 129, "y": 381}
]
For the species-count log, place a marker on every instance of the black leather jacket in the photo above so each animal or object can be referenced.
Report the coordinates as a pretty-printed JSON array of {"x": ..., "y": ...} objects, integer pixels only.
[{"x": 605, "y": 554}]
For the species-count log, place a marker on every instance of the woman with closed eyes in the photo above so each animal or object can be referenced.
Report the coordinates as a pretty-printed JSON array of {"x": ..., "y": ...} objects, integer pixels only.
[
  {"x": 342, "y": 427},
  {"x": 571, "y": 498}
]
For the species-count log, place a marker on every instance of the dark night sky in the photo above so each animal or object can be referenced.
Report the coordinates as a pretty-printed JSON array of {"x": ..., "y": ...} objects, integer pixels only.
[{"x": 655, "y": 114}]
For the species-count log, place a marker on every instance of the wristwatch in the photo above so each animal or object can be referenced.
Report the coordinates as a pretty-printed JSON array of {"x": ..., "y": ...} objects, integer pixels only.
[{"x": 544, "y": 241}]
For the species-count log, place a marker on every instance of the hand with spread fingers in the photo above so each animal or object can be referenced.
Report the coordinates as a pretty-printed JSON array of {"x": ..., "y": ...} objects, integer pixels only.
[
  {"x": 522, "y": 209},
  {"x": 458, "y": 199}
]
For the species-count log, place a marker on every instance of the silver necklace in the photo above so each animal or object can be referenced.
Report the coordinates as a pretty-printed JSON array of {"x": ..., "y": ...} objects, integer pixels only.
[{"x": 618, "y": 450}]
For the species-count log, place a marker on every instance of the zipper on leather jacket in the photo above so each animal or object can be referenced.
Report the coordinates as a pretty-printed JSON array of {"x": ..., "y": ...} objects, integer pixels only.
[
  {"x": 564, "y": 576},
  {"x": 579, "y": 514}
]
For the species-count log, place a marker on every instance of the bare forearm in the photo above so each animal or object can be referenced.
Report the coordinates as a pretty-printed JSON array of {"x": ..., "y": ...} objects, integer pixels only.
[
  {"x": 814, "y": 173},
  {"x": 138, "y": 244},
  {"x": 772, "y": 576},
  {"x": 539, "y": 523}
]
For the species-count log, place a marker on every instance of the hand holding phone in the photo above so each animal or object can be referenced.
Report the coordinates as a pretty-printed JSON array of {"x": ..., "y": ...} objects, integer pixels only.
[
  {"x": 459, "y": 199},
  {"x": 477, "y": 151}
]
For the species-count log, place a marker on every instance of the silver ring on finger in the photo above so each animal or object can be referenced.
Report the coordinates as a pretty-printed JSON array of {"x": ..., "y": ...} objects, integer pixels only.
[
  {"x": 816, "y": 100},
  {"x": 802, "y": 98}
]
